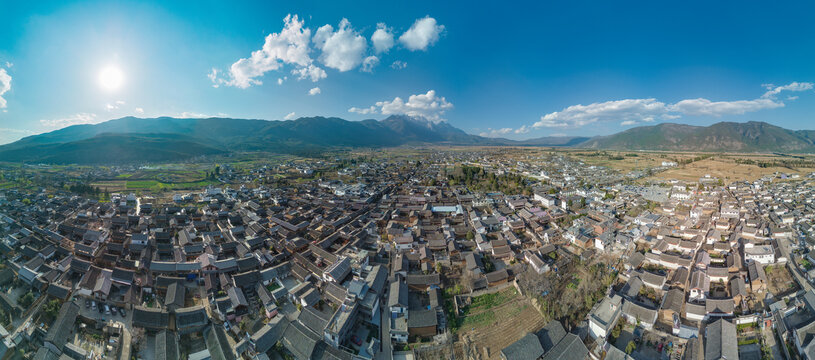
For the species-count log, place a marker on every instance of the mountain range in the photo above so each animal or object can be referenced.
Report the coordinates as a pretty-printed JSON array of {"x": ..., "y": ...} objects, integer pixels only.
[
  {"x": 130, "y": 139},
  {"x": 748, "y": 137}
]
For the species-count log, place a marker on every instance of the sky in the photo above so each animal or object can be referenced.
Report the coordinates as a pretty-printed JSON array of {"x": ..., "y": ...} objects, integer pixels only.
[{"x": 514, "y": 70}]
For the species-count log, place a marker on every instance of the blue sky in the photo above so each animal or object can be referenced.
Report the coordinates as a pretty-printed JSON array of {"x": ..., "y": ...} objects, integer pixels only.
[{"x": 497, "y": 69}]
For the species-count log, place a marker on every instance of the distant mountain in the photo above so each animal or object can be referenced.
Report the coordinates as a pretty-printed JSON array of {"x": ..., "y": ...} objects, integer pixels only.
[
  {"x": 720, "y": 137},
  {"x": 130, "y": 139},
  {"x": 112, "y": 148},
  {"x": 91, "y": 143},
  {"x": 555, "y": 141}
]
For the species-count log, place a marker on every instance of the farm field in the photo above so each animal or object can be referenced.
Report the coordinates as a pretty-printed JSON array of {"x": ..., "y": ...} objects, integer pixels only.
[
  {"x": 780, "y": 280},
  {"x": 726, "y": 169},
  {"x": 493, "y": 321},
  {"x": 151, "y": 185}
]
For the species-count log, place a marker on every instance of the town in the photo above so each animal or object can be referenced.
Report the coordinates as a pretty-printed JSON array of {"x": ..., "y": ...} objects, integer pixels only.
[{"x": 444, "y": 253}]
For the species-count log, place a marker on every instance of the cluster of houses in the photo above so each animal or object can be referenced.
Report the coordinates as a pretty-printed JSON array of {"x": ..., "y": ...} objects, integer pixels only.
[{"x": 333, "y": 269}]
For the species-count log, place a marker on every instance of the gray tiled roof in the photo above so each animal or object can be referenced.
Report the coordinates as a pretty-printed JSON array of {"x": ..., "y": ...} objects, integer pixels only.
[
  {"x": 526, "y": 348},
  {"x": 570, "y": 348},
  {"x": 720, "y": 340},
  {"x": 551, "y": 334}
]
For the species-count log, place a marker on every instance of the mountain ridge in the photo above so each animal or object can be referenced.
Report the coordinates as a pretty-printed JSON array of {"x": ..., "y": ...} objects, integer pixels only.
[
  {"x": 748, "y": 137},
  {"x": 167, "y": 138}
]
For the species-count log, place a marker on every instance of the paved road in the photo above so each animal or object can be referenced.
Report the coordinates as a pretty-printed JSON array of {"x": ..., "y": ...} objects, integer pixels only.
[
  {"x": 385, "y": 339},
  {"x": 769, "y": 340},
  {"x": 21, "y": 323}
]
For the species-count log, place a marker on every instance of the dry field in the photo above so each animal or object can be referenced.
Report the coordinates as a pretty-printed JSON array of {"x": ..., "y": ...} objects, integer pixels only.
[
  {"x": 626, "y": 160},
  {"x": 780, "y": 279},
  {"x": 484, "y": 332},
  {"x": 723, "y": 168}
]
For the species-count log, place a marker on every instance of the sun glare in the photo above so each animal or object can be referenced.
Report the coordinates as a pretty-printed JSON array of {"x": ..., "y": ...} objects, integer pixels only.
[{"x": 111, "y": 78}]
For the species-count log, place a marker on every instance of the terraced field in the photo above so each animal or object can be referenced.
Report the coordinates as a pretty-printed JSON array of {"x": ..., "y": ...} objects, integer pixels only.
[{"x": 494, "y": 321}]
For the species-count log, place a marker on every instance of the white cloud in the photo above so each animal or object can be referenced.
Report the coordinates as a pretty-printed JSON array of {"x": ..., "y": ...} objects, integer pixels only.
[
  {"x": 382, "y": 38},
  {"x": 9, "y": 65},
  {"x": 76, "y": 119},
  {"x": 314, "y": 91},
  {"x": 315, "y": 73},
  {"x": 196, "y": 115},
  {"x": 114, "y": 105},
  {"x": 213, "y": 76},
  {"x": 289, "y": 46},
  {"x": 696, "y": 107},
  {"x": 399, "y": 65},
  {"x": 772, "y": 91},
  {"x": 426, "y": 105},
  {"x": 626, "y": 110},
  {"x": 139, "y": 111},
  {"x": 290, "y": 116},
  {"x": 496, "y": 132},
  {"x": 279, "y": 81},
  {"x": 369, "y": 63},
  {"x": 522, "y": 130},
  {"x": 5, "y": 86},
  {"x": 635, "y": 111},
  {"x": 363, "y": 111},
  {"x": 423, "y": 33},
  {"x": 342, "y": 49}
]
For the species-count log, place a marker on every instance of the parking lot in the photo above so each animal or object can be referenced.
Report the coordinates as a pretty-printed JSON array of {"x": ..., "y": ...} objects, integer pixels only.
[{"x": 91, "y": 313}]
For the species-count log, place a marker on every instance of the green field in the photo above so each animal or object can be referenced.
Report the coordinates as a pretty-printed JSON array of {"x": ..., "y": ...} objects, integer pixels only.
[{"x": 155, "y": 185}]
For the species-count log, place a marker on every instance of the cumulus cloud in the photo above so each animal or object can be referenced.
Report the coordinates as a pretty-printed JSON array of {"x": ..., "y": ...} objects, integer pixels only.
[
  {"x": 76, "y": 119},
  {"x": 314, "y": 73},
  {"x": 627, "y": 110},
  {"x": 5, "y": 86},
  {"x": 364, "y": 111},
  {"x": 522, "y": 130},
  {"x": 399, "y": 65},
  {"x": 213, "y": 76},
  {"x": 314, "y": 91},
  {"x": 636, "y": 111},
  {"x": 370, "y": 63},
  {"x": 342, "y": 49},
  {"x": 697, "y": 107},
  {"x": 422, "y": 34},
  {"x": 289, "y": 46},
  {"x": 382, "y": 38},
  {"x": 428, "y": 106},
  {"x": 290, "y": 116},
  {"x": 139, "y": 111},
  {"x": 496, "y": 132}
]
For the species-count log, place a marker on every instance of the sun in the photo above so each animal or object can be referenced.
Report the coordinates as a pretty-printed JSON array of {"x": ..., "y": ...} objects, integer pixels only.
[{"x": 111, "y": 78}]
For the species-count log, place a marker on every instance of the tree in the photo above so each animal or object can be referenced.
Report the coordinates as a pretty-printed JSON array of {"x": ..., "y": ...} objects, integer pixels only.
[
  {"x": 470, "y": 235},
  {"x": 52, "y": 309},
  {"x": 26, "y": 300},
  {"x": 630, "y": 347},
  {"x": 244, "y": 324}
]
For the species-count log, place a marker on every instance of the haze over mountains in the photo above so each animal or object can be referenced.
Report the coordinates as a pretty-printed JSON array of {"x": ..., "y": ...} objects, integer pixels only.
[{"x": 130, "y": 139}]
